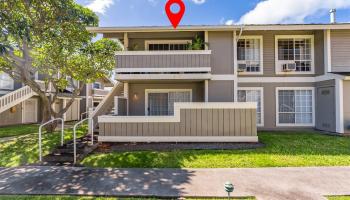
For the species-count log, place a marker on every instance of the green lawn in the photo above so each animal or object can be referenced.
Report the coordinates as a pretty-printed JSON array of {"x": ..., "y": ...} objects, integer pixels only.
[
  {"x": 18, "y": 130},
  {"x": 339, "y": 198},
  {"x": 95, "y": 198},
  {"x": 283, "y": 149},
  {"x": 24, "y": 149}
]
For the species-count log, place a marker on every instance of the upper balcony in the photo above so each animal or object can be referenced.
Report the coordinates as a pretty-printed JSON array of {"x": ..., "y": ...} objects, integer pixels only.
[{"x": 180, "y": 64}]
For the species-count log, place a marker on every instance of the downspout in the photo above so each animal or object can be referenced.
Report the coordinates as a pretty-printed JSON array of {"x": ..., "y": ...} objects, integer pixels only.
[{"x": 235, "y": 82}]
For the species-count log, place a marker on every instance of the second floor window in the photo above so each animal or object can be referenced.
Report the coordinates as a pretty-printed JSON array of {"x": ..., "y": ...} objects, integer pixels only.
[
  {"x": 249, "y": 54},
  {"x": 97, "y": 85},
  {"x": 6, "y": 82},
  {"x": 167, "y": 45},
  {"x": 295, "y": 54}
]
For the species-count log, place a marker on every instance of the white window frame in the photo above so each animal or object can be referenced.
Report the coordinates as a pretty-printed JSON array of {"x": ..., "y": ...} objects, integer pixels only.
[
  {"x": 278, "y": 68},
  {"x": 148, "y": 42},
  {"x": 147, "y": 91},
  {"x": 261, "y": 38},
  {"x": 9, "y": 82},
  {"x": 313, "y": 107},
  {"x": 261, "y": 89}
]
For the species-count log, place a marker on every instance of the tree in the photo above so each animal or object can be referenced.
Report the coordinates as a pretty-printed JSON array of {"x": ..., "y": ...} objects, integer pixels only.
[{"x": 49, "y": 37}]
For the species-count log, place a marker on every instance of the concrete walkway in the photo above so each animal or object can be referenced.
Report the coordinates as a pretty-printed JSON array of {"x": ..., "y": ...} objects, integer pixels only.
[{"x": 263, "y": 183}]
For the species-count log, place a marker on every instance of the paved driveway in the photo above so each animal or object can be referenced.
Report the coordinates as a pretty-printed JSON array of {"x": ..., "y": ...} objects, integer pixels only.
[{"x": 263, "y": 183}]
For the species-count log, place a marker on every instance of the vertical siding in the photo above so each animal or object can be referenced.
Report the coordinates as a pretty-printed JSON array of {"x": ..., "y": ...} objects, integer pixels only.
[
  {"x": 193, "y": 122},
  {"x": 340, "y": 50},
  {"x": 221, "y": 44},
  {"x": 163, "y": 61}
]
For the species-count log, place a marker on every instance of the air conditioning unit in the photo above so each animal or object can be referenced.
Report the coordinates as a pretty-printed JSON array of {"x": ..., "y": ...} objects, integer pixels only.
[
  {"x": 288, "y": 67},
  {"x": 242, "y": 67}
]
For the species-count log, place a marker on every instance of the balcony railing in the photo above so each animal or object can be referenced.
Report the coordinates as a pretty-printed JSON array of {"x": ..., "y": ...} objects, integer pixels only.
[{"x": 135, "y": 60}]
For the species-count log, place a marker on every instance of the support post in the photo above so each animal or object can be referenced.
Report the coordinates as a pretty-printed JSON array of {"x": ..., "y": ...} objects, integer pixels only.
[
  {"x": 126, "y": 96},
  {"x": 206, "y": 90},
  {"x": 126, "y": 42}
]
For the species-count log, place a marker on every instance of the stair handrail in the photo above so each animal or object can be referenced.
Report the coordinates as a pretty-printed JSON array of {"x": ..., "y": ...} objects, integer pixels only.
[
  {"x": 40, "y": 134},
  {"x": 75, "y": 136},
  {"x": 20, "y": 90}
]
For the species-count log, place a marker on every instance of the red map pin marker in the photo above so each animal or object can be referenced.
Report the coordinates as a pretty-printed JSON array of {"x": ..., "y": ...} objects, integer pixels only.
[{"x": 175, "y": 18}]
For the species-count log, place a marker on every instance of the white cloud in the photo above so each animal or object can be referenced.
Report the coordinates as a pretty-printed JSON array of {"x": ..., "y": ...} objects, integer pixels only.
[
  {"x": 229, "y": 22},
  {"x": 100, "y": 6},
  {"x": 289, "y": 11},
  {"x": 198, "y": 1}
]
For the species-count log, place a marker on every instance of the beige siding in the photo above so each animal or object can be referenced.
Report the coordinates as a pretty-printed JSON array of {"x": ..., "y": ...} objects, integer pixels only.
[
  {"x": 269, "y": 49},
  {"x": 11, "y": 118},
  {"x": 221, "y": 44},
  {"x": 191, "y": 125},
  {"x": 163, "y": 61},
  {"x": 220, "y": 91},
  {"x": 270, "y": 101},
  {"x": 340, "y": 50}
]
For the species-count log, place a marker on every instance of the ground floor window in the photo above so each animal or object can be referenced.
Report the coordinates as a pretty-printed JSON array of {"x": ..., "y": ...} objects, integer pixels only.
[
  {"x": 295, "y": 107},
  {"x": 161, "y": 102},
  {"x": 253, "y": 95}
]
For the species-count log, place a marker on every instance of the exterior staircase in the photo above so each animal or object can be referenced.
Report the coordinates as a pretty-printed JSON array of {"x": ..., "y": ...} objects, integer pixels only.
[
  {"x": 107, "y": 104},
  {"x": 64, "y": 155},
  {"x": 13, "y": 98}
]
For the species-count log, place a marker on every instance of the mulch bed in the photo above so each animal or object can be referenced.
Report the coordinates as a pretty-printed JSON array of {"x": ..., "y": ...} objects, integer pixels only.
[{"x": 127, "y": 147}]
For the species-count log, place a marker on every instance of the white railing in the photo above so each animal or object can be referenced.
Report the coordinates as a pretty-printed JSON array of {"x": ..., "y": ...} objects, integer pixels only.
[
  {"x": 75, "y": 136},
  {"x": 11, "y": 99},
  {"x": 40, "y": 135}
]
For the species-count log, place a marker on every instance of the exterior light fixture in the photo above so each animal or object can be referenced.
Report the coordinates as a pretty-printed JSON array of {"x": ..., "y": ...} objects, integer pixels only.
[{"x": 229, "y": 188}]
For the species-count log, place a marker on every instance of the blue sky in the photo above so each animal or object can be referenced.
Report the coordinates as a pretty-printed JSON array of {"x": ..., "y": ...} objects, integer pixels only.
[{"x": 214, "y": 12}]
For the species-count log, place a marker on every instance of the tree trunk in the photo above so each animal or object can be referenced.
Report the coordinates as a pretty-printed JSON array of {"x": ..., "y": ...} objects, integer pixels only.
[{"x": 47, "y": 115}]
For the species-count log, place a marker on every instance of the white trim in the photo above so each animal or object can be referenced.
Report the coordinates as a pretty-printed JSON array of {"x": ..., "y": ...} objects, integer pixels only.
[
  {"x": 277, "y": 61},
  {"x": 261, "y": 89},
  {"x": 222, "y": 77},
  {"x": 64, "y": 104},
  {"x": 339, "y": 102},
  {"x": 125, "y": 77},
  {"x": 177, "y": 108},
  {"x": 276, "y": 79},
  {"x": 126, "y": 96},
  {"x": 178, "y": 139},
  {"x": 260, "y": 37},
  {"x": 147, "y": 91},
  {"x": 313, "y": 107},
  {"x": 148, "y": 53},
  {"x": 219, "y": 28},
  {"x": 327, "y": 51},
  {"x": 148, "y": 42},
  {"x": 163, "y": 69}
]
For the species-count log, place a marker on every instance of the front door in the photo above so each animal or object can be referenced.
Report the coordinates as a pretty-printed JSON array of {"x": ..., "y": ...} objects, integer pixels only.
[{"x": 30, "y": 111}]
